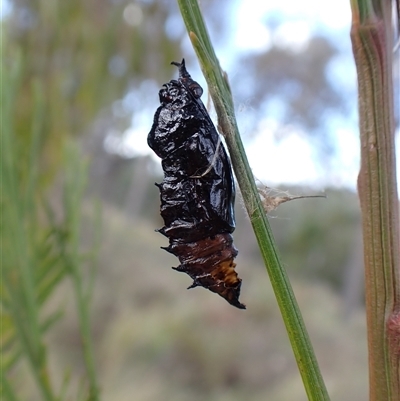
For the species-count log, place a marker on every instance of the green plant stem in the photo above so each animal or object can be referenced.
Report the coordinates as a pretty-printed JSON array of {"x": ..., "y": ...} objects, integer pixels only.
[
  {"x": 74, "y": 185},
  {"x": 377, "y": 186},
  {"x": 221, "y": 95}
]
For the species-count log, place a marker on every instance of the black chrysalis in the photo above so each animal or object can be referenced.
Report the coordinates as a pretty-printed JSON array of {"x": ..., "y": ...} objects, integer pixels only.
[{"x": 197, "y": 193}]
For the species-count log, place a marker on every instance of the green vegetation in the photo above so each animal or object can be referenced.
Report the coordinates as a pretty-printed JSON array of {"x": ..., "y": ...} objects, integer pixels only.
[{"x": 89, "y": 307}]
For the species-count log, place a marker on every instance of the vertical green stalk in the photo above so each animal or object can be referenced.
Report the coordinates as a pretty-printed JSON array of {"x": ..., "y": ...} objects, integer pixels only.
[
  {"x": 73, "y": 193},
  {"x": 222, "y": 98},
  {"x": 371, "y": 36}
]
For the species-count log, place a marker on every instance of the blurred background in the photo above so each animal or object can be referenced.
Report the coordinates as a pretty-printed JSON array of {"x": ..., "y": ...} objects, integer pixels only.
[{"x": 81, "y": 82}]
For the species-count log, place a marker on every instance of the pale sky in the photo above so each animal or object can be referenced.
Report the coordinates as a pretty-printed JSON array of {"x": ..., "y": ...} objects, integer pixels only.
[{"x": 291, "y": 160}]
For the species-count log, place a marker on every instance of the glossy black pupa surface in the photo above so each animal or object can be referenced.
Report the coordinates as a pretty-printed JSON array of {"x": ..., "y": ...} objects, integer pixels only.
[{"x": 197, "y": 193}]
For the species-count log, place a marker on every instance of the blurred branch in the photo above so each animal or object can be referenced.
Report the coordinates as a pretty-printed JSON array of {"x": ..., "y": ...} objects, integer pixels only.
[
  {"x": 37, "y": 248},
  {"x": 222, "y": 98},
  {"x": 371, "y": 36}
]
